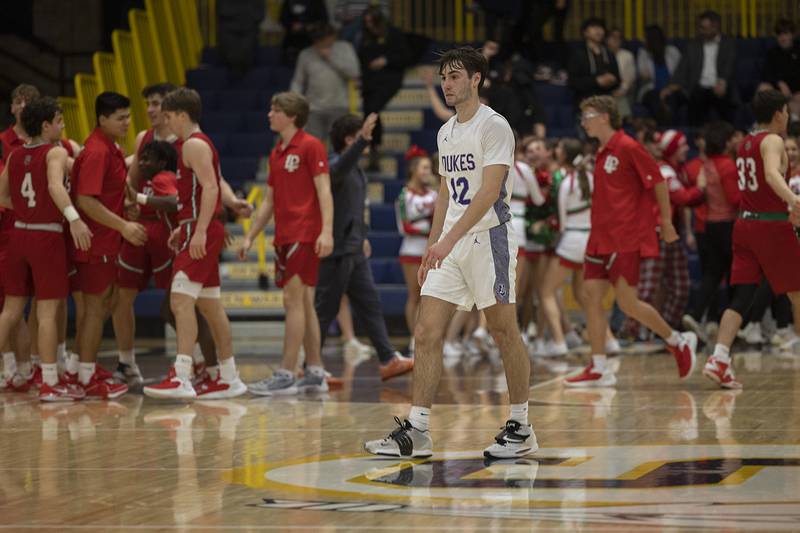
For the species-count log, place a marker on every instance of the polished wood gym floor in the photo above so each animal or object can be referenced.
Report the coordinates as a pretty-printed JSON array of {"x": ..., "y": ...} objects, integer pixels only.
[{"x": 653, "y": 454}]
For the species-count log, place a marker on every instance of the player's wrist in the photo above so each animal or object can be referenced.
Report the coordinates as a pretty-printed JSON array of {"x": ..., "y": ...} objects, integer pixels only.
[
  {"x": 141, "y": 198},
  {"x": 71, "y": 214}
]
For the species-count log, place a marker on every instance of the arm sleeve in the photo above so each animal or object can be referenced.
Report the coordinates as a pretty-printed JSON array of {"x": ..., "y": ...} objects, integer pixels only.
[
  {"x": 497, "y": 142},
  {"x": 534, "y": 191},
  {"x": 644, "y": 165},
  {"x": 727, "y": 60},
  {"x": 679, "y": 77},
  {"x": 316, "y": 159},
  {"x": 642, "y": 63},
  {"x": 579, "y": 76},
  {"x": 91, "y": 172},
  {"x": 345, "y": 61},
  {"x": 347, "y": 161}
]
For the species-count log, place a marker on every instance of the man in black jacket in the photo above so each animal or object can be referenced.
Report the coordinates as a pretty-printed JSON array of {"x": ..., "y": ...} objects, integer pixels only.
[
  {"x": 705, "y": 74},
  {"x": 592, "y": 68},
  {"x": 347, "y": 270}
]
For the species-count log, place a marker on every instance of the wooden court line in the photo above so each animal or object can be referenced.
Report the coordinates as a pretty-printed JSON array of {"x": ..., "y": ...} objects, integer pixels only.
[{"x": 327, "y": 527}]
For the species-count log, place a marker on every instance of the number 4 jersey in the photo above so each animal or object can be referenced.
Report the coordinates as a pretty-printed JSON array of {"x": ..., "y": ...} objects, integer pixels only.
[
  {"x": 27, "y": 181},
  {"x": 464, "y": 150},
  {"x": 757, "y": 195}
]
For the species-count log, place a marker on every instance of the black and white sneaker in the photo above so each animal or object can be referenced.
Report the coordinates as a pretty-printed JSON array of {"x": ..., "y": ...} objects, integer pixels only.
[
  {"x": 128, "y": 374},
  {"x": 515, "y": 440},
  {"x": 405, "y": 441}
]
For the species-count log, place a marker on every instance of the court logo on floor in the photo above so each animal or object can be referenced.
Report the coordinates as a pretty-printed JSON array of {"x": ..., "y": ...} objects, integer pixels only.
[{"x": 705, "y": 485}]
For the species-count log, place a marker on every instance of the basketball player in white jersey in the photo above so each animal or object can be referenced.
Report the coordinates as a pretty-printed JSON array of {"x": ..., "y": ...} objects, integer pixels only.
[{"x": 470, "y": 260}]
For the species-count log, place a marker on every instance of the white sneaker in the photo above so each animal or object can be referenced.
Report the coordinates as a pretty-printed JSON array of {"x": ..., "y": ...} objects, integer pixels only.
[
  {"x": 452, "y": 350},
  {"x": 405, "y": 441},
  {"x": 783, "y": 336},
  {"x": 515, "y": 440},
  {"x": 754, "y": 336},
  {"x": 356, "y": 353},
  {"x": 172, "y": 388},
  {"x": 553, "y": 349},
  {"x": 128, "y": 374}
]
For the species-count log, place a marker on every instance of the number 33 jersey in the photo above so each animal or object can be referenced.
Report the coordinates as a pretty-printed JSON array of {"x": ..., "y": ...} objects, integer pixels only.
[
  {"x": 757, "y": 195},
  {"x": 465, "y": 148}
]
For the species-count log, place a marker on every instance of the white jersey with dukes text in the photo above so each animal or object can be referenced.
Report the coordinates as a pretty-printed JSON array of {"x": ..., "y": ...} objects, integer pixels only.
[{"x": 464, "y": 150}]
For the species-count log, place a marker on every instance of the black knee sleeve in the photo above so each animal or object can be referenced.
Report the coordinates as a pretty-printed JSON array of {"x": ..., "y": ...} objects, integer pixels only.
[{"x": 743, "y": 298}]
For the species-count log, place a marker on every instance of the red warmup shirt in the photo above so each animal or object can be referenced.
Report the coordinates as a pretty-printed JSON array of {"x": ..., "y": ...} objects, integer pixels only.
[
  {"x": 146, "y": 187},
  {"x": 11, "y": 141},
  {"x": 757, "y": 195},
  {"x": 100, "y": 171},
  {"x": 27, "y": 183},
  {"x": 165, "y": 183},
  {"x": 292, "y": 169},
  {"x": 190, "y": 192},
  {"x": 622, "y": 200}
]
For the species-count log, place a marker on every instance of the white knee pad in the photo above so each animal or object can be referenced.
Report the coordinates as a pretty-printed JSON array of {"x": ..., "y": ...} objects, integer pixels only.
[{"x": 181, "y": 284}]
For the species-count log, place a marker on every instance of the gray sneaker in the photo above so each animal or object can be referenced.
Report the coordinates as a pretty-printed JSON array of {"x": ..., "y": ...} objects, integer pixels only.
[
  {"x": 312, "y": 383},
  {"x": 278, "y": 384}
]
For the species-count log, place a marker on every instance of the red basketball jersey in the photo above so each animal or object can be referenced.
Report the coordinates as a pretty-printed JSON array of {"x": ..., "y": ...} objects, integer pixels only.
[
  {"x": 27, "y": 182},
  {"x": 189, "y": 189},
  {"x": 757, "y": 195}
]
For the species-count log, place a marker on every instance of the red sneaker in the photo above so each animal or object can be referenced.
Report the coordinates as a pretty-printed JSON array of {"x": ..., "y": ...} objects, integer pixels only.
[
  {"x": 685, "y": 353},
  {"x": 397, "y": 366},
  {"x": 100, "y": 389},
  {"x": 720, "y": 373},
  {"x": 18, "y": 383},
  {"x": 213, "y": 389},
  {"x": 173, "y": 387},
  {"x": 70, "y": 378},
  {"x": 103, "y": 374},
  {"x": 592, "y": 378},
  {"x": 60, "y": 392},
  {"x": 35, "y": 380}
]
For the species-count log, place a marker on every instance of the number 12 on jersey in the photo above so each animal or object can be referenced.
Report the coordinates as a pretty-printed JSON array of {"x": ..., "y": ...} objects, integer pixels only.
[{"x": 460, "y": 187}]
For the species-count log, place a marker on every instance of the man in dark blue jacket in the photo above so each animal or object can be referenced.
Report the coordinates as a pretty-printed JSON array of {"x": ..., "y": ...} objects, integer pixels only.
[{"x": 347, "y": 270}]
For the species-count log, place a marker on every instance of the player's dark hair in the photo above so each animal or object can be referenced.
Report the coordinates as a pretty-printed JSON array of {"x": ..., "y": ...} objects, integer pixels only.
[
  {"x": 160, "y": 89},
  {"x": 467, "y": 58},
  {"x": 184, "y": 100},
  {"x": 342, "y": 127},
  {"x": 37, "y": 112},
  {"x": 320, "y": 31},
  {"x": 784, "y": 26},
  {"x": 767, "y": 103},
  {"x": 716, "y": 136},
  {"x": 162, "y": 151},
  {"x": 107, "y": 103},
  {"x": 573, "y": 148}
]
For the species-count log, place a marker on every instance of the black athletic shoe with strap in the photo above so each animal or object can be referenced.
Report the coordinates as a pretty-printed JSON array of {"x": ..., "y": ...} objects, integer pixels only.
[
  {"x": 405, "y": 441},
  {"x": 515, "y": 440}
]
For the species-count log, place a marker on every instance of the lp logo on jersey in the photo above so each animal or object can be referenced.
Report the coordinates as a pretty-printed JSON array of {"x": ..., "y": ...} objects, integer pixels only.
[
  {"x": 292, "y": 162},
  {"x": 611, "y": 164}
]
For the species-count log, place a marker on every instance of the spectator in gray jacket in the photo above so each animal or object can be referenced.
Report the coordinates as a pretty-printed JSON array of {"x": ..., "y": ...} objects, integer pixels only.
[
  {"x": 347, "y": 270},
  {"x": 322, "y": 74}
]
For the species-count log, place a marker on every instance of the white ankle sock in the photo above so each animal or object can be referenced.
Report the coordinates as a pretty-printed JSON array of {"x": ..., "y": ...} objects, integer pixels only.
[
  {"x": 674, "y": 338},
  {"x": 722, "y": 353},
  {"x": 24, "y": 368},
  {"x": 73, "y": 363},
  {"x": 599, "y": 362},
  {"x": 197, "y": 354},
  {"x": 127, "y": 357},
  {"x": 419, "y": 417},
  {"x": 315, "y": 370},
  {"x": 50, "y": 373},
  {"x": 227, "y": 369},
  {"x": 9, "y": 364},
  {"x": 86, "y": 371},
  {"x": 519, "y": 413},
  {"x": 183, "y": 366}
]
